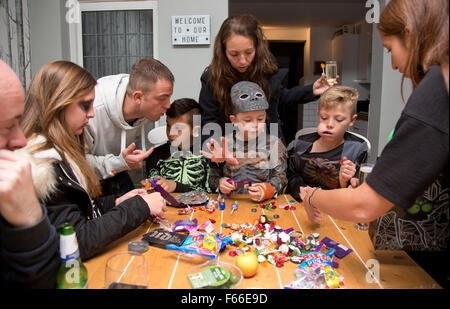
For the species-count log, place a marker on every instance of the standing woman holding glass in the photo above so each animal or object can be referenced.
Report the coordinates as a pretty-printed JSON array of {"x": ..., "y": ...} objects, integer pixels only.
[
  {"x": 415, "y": 33},
  {"x": 241, "y": 53}
]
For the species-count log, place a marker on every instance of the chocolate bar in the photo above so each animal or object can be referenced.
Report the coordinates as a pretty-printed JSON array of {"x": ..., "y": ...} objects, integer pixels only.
[{"x": 160, "y": 238}]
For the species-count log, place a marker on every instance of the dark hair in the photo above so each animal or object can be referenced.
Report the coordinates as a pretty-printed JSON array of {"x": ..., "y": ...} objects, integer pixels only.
[
  {"x": 221, "y": 73},
  {"x": 184, "y": 106},
  {"x": 145, "y": 73}
]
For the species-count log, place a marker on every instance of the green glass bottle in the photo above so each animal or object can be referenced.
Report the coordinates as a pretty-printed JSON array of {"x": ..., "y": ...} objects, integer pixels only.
[{"x": 72, "y": 274}]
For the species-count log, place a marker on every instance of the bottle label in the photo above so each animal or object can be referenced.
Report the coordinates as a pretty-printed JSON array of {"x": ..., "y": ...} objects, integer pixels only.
[{"x": 68, "y": 247}]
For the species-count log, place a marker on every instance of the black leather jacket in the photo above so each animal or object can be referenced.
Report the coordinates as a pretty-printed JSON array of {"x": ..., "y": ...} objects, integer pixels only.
[{"x": 98, "y": 222}]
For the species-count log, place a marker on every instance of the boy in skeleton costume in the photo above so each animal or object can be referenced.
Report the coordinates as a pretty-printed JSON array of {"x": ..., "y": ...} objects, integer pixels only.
[
  {"x": 260, "y": 157},
  {"x": 175, "y": 164}
]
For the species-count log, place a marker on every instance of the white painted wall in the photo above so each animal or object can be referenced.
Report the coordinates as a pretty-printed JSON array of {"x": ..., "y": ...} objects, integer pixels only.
[
  {"x": 386, "y": 103},
  {"x": 47, "y": 24},
  {"x": 50, "y": 38},
  {"x": 187, "y": 63}
]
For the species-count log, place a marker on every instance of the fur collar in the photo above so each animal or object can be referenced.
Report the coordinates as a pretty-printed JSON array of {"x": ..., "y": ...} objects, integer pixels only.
[{"x": 43, "y": 172}]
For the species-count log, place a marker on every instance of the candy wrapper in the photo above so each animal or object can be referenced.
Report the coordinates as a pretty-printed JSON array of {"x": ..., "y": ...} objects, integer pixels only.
[
  {"x": 160, "y": 238},
  {"x": 215, "y": 275},
  {"x": 341, "y": 250},
  {"x": 316, "y": 272},
  {"x": 206, "y": 245},
  {"x": 193, "y": 198},
  {"x": 151, "y": 184},
  {"x": 240, "y": 183},
  {"x": 185, "y": 225}
]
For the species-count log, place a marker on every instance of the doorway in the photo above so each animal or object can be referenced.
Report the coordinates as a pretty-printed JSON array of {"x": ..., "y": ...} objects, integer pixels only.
[{"x": 289, "y": 55}]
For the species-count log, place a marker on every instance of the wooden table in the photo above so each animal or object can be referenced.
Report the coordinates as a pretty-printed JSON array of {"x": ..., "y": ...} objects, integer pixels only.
[{"x": 167, "y": 270}]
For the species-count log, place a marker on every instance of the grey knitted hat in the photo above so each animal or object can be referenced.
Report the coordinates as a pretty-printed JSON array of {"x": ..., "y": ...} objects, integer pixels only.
[{"x": 247, "y": 96}]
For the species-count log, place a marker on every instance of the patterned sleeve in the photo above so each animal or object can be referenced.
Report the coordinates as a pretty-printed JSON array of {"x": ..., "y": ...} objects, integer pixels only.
[{"x": 215, "y": 173}]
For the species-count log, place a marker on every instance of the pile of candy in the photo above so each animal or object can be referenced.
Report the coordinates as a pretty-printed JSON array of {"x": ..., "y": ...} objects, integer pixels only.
[{"x": 273, "y": 245}]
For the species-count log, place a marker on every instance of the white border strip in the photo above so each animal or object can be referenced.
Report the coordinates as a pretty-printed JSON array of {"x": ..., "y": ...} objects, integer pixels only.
[{"x": 353, "y": 248}]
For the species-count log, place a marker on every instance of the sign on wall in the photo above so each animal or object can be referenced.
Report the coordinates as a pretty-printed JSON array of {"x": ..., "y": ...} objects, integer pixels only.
[{"x": 191, "y": 30}]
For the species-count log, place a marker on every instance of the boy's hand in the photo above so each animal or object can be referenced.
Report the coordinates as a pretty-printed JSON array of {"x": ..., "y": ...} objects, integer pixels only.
[
  {"x": 167, "y": 185},
  {"x": 225, "y": 187},
  {"x": 346, "y": 172},
  {"x": 134, "y": 157},
  {"x": 219, "y": 154},
  {"x": 261, "y": 191},
  {"x": 254, "y": 193}
]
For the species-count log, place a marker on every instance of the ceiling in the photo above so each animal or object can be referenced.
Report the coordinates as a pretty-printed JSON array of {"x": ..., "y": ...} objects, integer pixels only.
[{"x": 301, "y": 13}]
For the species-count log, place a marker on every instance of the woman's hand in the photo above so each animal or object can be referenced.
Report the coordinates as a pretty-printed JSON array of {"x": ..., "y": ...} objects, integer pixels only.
[
  {"x": 156, "y": 203},
  {"x": 312, "y": 212},
  {"x": 130, "y": 194},
  {"x": 321, "y": 85},
  {"x": 219, "y": 154}
]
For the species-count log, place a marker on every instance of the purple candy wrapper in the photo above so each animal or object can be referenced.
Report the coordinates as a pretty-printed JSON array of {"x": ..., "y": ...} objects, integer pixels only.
[
  {"x": 340, "y": 250},
  {"x": 241, "y": 183},
  {"x": 166, "y": 195}
]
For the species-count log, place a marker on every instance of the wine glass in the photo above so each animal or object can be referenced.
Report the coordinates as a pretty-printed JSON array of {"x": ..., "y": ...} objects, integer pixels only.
[
  {"x": 364, "y": 171},
  {"x": 126, "y": 270},
  {"x": 331, "y": 72}
]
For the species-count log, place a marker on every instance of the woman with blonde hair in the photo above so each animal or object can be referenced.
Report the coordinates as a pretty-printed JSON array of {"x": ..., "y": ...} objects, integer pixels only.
[
  {"x": 415, "y": 33},
  {"x": 59, "y": 104}
]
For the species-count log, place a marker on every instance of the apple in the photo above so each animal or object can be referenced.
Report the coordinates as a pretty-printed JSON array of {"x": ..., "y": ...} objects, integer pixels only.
[{"x": 248, "y": 263}]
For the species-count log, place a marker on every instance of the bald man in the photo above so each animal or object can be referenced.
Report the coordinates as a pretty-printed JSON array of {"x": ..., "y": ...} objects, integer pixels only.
[{"x": 28, "y": 242}]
